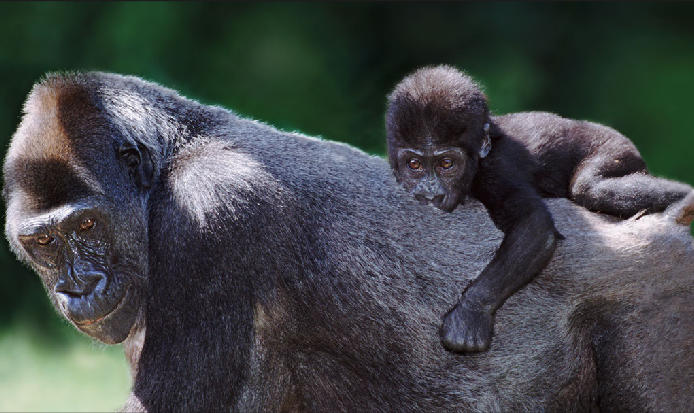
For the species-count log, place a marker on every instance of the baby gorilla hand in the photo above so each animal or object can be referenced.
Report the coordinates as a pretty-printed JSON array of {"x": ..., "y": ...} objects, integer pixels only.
[{"x": 467, "y": 328}]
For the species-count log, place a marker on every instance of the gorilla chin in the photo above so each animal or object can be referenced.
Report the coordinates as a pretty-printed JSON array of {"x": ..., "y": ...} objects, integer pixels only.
[{"x": 105, "y": 314}]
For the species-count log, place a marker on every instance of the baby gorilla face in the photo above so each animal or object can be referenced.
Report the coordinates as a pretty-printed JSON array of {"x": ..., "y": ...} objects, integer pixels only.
[
  {"x": 436, "y": 175},
  {"x": 437, "y": 128}
]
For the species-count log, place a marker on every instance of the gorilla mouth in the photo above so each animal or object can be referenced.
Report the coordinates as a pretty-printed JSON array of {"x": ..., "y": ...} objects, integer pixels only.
[
  {"x": 106, "y": 314},
  {"x": 115, "y": 308},
  {"x": 91, "y": 301}
]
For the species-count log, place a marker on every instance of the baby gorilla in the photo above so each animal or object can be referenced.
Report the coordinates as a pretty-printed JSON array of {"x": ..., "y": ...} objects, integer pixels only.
[{"x": 443, "y": 145}]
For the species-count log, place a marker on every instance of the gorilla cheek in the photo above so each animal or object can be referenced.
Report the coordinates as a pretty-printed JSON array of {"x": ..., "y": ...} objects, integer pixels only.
[
  {"x": 115, "y": 327},
  {"x": 451, "y": 201}
]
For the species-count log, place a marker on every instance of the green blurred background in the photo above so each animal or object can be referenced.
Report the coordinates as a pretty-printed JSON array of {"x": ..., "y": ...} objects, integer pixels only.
[{"x": 325, "y": 69}]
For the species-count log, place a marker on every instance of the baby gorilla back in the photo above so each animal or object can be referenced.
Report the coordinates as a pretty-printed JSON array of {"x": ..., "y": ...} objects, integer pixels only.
[{"x": 593, "y": 165}]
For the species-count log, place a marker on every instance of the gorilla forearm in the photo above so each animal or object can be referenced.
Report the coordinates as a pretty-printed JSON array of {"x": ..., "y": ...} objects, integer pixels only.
[
  {"x": 525, "y": 250},
  {"x": 527, "y": 247}
]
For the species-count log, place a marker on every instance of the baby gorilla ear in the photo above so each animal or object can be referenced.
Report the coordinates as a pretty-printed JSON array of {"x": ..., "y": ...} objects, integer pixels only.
[{"x": 138, "y": 161}]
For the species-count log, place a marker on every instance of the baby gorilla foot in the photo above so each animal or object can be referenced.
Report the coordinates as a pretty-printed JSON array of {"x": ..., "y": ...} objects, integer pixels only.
[{"x": 467, "y": 329}]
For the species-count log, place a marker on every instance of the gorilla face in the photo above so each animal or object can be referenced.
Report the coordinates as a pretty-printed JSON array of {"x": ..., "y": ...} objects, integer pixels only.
[
  {"x": 80, "y": 224},
  {"x": 437, "y": 129},
  {"x": 91, "y": 279},
  {"x": 440, "y": 176}
]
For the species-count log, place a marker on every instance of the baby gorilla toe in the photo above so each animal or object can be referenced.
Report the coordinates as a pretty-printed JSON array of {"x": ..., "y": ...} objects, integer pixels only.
[{"x": 467, "y": 329}]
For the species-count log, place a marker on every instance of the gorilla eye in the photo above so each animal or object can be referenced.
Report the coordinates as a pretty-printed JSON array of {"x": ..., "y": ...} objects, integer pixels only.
[
  {"x": 131, "y": 157},
  {"x": 414, "y": 164},
  {"x": 44, "y": 239},
  {"x": 446, "y": 163},
  {"x": 87, "y": 224}
]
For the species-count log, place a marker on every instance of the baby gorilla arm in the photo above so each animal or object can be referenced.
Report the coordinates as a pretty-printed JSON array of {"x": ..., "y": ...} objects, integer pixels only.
[{"x": 530, "y": 239}]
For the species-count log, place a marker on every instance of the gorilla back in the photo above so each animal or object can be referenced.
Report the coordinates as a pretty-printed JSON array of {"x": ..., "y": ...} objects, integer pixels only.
[{"x": 250, "y": 269}]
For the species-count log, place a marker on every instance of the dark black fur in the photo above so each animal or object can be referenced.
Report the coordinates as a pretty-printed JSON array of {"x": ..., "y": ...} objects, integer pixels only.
[
  {"x": 255, "y": 270},
  {"x": 533, "y": 155}
]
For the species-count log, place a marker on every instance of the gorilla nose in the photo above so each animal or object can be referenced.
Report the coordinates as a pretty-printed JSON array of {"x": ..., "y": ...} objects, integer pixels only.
[{"x": 79, "y": 285}]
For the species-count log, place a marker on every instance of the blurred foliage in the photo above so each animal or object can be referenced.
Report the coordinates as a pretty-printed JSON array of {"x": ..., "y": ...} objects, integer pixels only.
[{"x": 326, "y": 68}]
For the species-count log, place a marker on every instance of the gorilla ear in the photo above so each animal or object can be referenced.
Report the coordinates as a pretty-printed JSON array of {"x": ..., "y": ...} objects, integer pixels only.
[
  {"x": 486, "y": 142},
  {"x": 139, "y": 164}
]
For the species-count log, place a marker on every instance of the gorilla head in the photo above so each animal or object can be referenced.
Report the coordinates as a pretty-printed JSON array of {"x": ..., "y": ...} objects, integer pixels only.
[{"x": 76, "y": 188}]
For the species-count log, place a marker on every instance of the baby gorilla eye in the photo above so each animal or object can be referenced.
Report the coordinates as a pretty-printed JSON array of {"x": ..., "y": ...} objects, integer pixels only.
[
  {"x": 414, "y": 164},
  {"x": 87, "y": 224},
  {"x": 446, "y": 163}
]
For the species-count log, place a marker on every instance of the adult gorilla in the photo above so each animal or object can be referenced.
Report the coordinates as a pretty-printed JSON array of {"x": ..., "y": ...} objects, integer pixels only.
[{"x": 274, "y": 271}]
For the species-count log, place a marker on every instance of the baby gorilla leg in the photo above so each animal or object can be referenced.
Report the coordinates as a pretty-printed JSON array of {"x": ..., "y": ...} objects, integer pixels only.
[{"x": 621, "y": 186}]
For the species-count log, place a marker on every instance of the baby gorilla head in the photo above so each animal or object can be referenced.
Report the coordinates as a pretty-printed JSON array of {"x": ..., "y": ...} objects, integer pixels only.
[{"x": 437, "y": 127}]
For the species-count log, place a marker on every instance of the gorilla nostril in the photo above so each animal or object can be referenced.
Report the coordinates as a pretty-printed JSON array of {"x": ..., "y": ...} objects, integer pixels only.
[{"x": 84, "y": 284}]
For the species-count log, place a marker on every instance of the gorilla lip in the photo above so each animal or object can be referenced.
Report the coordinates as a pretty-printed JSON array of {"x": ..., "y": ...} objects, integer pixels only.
[{"x": 117, "y": 306}]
